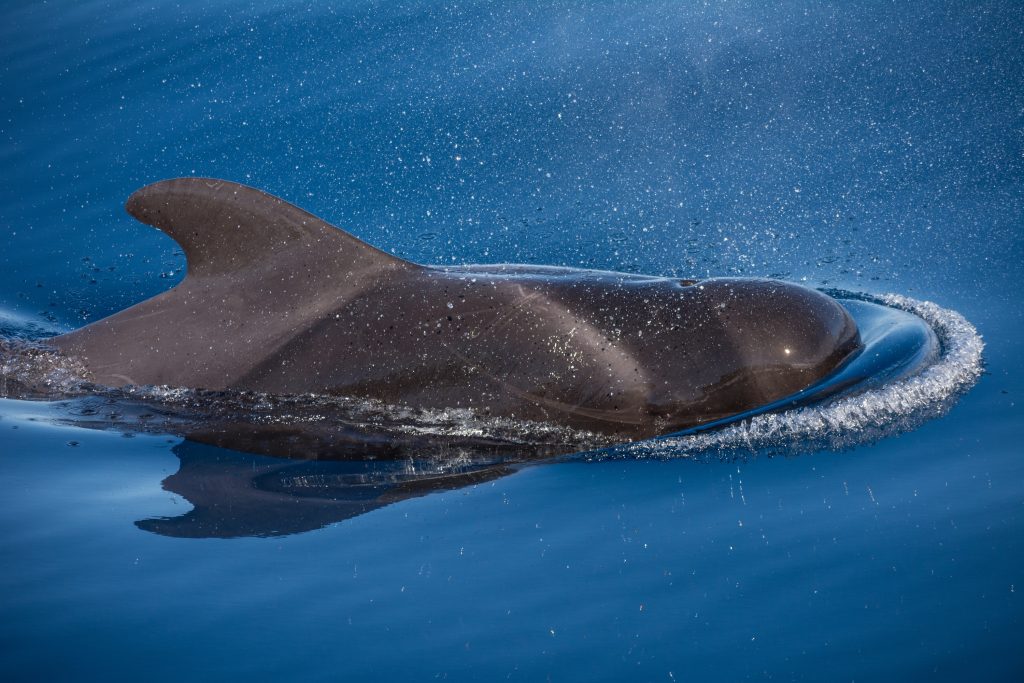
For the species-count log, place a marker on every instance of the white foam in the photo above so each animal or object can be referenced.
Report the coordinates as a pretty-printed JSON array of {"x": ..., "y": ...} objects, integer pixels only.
[
  {"x": 852, "y": 419},
  {"x": 30, "y": 370}
]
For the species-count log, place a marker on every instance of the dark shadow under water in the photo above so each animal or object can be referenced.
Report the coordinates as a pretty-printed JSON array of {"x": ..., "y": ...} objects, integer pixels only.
[{"x": 241, "y": 494}]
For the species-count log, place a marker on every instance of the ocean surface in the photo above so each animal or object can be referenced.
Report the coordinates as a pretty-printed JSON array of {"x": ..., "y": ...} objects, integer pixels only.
[{"x": 864, "y": 148}]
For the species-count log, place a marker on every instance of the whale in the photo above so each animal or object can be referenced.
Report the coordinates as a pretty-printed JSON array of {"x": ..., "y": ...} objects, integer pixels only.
[{"x": 277, "y": 300}]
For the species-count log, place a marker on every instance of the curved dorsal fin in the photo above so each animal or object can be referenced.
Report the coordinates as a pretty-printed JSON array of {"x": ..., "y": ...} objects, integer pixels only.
[{"x": 225, "y": 227}]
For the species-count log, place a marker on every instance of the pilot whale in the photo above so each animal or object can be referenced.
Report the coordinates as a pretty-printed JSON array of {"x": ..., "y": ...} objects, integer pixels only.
[{"x": 278, "y": 300}]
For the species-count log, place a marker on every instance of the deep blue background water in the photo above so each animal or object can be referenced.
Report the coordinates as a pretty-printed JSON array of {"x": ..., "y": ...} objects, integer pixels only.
[{"x": 861, "y": 145}]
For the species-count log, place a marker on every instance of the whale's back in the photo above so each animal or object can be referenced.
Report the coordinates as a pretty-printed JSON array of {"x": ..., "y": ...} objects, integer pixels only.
[{"x": 278, "y": 300}]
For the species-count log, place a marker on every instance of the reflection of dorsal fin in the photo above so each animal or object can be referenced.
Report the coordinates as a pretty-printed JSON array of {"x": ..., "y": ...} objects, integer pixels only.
[{"x": 225, "y": 227}]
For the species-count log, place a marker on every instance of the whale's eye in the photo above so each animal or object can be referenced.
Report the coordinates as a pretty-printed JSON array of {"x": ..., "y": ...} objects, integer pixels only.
[{"x": 687, "y": 283}]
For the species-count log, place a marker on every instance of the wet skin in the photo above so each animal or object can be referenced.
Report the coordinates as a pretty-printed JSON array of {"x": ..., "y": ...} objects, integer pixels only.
[{"x": 277, "y": 300}]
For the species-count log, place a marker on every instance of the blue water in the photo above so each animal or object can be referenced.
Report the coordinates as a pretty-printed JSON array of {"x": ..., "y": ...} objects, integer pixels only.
[{"x": 862, "y": 146}]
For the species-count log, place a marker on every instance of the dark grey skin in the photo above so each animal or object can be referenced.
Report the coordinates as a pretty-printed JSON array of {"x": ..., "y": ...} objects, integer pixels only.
[{"x": 278, "y": 300}]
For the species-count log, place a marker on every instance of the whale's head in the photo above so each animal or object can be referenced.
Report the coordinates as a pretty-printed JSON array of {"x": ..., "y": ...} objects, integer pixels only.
[{"x": 744, "y": 343}]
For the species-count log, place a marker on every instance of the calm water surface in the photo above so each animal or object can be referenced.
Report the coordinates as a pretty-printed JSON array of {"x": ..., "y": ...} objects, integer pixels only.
[{"x": 855, "y": 145}]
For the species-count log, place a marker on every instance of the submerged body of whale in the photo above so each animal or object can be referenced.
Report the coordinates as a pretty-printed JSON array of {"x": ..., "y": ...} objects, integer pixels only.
[{"x": 277, "y": 300}]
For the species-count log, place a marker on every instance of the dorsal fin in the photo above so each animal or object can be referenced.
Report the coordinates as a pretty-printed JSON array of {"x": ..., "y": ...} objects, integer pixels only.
[{"x": 225, "y": 227}]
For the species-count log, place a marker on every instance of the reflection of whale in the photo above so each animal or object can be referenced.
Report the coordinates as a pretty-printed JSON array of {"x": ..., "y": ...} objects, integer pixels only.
[
  {"x": 238, "y": 494},
  {"x": 278, "y": 301}
]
